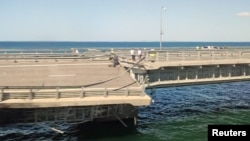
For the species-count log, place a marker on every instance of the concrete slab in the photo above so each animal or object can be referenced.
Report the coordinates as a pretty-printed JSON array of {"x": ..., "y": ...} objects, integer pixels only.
[
  {"x": 74, "y": 73},
  {"x": 87, "y": 101},
  {"x": 87, "y": 73}
]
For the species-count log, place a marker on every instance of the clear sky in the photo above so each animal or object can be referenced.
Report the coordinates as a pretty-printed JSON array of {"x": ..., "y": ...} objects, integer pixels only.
[{"x": 124, "y": 20}]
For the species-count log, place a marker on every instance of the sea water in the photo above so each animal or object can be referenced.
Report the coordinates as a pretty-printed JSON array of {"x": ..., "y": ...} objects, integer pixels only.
[{"x": 68, "y": 45}]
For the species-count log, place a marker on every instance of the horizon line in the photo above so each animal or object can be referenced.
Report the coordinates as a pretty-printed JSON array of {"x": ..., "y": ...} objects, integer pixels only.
[{"x": 114, "y": 41}]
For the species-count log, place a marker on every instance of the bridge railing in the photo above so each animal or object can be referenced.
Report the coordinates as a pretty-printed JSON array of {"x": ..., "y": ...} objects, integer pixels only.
[
  {"x": 47, "y": 54},
  {"x": 155, "y": 55},
  {"x": 57, "y": 93},
  {"x": 196, "y": 55},
  {"x": 53, "y": 51}
]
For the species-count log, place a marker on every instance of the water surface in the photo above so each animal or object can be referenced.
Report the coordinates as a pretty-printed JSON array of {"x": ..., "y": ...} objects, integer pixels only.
[{"x": 177, "y": 114}]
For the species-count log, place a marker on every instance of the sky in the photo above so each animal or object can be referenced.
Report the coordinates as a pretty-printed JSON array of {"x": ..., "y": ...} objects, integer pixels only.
[{"x": 125, "y": 20}]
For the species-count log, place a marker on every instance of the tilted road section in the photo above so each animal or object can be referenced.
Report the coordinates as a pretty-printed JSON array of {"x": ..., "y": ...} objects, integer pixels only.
[{"x": 33, "y": 84}]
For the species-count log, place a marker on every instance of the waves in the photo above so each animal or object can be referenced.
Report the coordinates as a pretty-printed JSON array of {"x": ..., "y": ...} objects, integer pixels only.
[
  {"x": 183, "y": 113},
  {"x": 195, "y": 100}
]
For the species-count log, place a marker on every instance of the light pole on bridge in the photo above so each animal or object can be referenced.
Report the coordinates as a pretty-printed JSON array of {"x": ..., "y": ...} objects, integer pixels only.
[{"x": 163, "y": 8}]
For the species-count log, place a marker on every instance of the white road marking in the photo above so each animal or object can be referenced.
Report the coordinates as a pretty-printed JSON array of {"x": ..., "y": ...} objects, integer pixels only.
[{"x": 61, "y": 75}]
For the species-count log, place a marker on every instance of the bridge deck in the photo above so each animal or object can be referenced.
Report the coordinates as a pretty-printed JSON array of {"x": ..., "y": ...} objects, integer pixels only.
[
  {"x": 95, "y": 77},
  {"x": 76, "y": 73}
]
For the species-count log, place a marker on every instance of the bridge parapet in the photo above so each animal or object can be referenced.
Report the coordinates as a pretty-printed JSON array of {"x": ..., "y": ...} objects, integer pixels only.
[
  {"x": 150, "y": 55},
  {"x": 161, "y": 56},
  {"x": 57, "y": 93},
  {"x": 46, "y": 54}
]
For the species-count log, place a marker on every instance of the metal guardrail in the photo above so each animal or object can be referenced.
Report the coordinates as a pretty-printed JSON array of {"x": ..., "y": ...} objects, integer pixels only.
[
  {"x": 49, "y": 56},
  {"x": 57, "y": 93},
  {"x": 54, "y": 51},
  {"x": 196, "y": 55},
  {"x": 198, "y": 81},
  {"x": 17, "y": 54},
  {"x": 43, "y": 51},
  {"x": 37, "y": 57}
]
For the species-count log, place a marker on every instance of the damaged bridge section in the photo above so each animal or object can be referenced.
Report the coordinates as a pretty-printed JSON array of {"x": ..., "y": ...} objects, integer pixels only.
[{"x": 73, "y": 89}]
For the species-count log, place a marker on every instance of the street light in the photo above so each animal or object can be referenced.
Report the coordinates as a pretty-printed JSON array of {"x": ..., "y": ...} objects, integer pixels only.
[{"x": 161, "y": 30}]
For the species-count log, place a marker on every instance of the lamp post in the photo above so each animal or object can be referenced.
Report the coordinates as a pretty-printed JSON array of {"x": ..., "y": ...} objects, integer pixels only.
[{"x": 161, "y": 30}]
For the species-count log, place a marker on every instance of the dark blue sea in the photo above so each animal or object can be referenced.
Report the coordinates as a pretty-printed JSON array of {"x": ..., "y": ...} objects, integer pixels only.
[
  {"x": 166, "y": 45},
  {"x": 177, "y": 114}
]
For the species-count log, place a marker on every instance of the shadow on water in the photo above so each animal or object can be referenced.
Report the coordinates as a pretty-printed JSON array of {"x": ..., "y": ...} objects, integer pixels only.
[
  {"x": 85, "y": 131},
  {"x": 99, "y": 131},
  {"x": 105, "y": 129}
]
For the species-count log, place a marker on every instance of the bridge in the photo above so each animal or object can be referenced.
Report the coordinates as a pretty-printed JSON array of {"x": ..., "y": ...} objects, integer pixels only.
[
  {"x": 188, "y": 67},
  {"x": 76, "y": 87}
]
